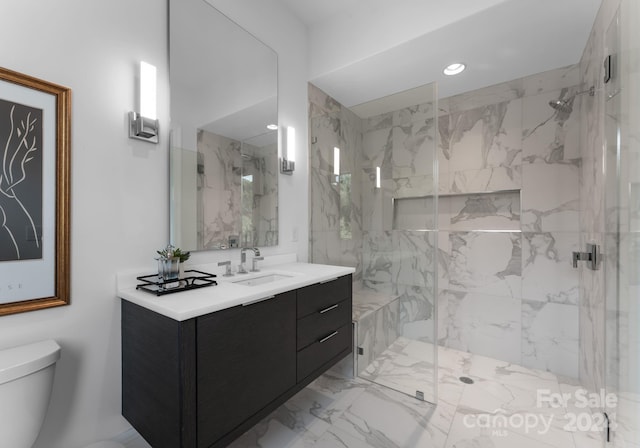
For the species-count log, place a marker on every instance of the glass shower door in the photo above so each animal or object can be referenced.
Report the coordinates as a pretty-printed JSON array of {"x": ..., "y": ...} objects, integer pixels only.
[
  {"x": 396, "y": 302},
  {"x": 373, "y": 182},
  {"x": 622, "y": 242}
]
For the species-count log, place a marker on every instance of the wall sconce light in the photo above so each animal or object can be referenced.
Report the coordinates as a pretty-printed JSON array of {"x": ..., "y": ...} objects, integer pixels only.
[
  {"x": 336, "y": 163},
  {"x": 287, "y": 163},
  {"x": 377, "y": 177},
  {"x": 144, "y": 125}
]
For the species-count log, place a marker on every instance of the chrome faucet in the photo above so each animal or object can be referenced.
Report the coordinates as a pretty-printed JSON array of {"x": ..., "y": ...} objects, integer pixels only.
[{"x": 243, "y": 258}]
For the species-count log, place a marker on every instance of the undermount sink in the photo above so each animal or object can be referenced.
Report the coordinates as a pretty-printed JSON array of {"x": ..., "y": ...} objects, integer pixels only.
[{"x": 261, "y": 279}]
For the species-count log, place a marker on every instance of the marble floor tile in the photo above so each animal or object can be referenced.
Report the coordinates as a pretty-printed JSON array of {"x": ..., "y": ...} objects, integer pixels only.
[
  {"x": 384, "y": 418},
  {"x": 335, "y": 438},
  {"x": 275, "y": 433},
  {"x": 471, "y": 431},
  {"x": 339, "y": 412},
  {"x": 512, "y": 374},
  {"x": 490, "y": 396},
  {"x": 404, "y": 374},
  {"x": 590, "y": 440}
]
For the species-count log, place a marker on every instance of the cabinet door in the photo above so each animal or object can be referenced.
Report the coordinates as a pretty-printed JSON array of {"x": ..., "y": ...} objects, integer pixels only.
[{"x": 246, "y": 358}]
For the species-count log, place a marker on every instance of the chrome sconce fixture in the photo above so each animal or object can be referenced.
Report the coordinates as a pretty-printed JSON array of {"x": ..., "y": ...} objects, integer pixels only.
[
  {"x": 143, "y": 125},
  {"x": 336, "y": 165},
  {"x": 287, "y": 163}
]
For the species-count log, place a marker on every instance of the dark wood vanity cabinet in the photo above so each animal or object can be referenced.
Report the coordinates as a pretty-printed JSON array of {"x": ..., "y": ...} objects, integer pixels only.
[
  {"x": 324, "y": 323},
  {"x": 246, "y": 359},
  {"x": 203, "y": 382}
]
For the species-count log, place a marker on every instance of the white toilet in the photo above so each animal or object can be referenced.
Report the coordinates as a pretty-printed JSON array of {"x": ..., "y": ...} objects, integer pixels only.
[{"x": 26, "y": 380}]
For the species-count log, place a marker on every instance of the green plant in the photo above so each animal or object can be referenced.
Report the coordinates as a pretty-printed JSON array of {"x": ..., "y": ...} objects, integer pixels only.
[{"x": 171, "y": 251}]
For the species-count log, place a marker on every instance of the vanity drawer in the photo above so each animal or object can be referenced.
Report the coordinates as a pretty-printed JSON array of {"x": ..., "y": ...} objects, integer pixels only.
[
  {"x": 314, "y": 298},
  {"x": 315, "y": 326},
  {"x": 321, "y": 351}
]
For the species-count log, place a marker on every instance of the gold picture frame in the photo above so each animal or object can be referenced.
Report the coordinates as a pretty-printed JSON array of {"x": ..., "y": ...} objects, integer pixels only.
[{"x": 35, "y": 163}]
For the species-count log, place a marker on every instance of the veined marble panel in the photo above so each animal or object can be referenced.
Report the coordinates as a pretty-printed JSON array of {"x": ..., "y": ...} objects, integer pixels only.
[
  {"x": 367, "y": 300},
  {"x": 479, "y": 323},
  {"x": 487, "y": 179},
  {"x": 550, "y": 136},
  {"x": 483, "y": 138},
  {"x": 414, "y": 149},
  {"x": 328, "y": 248},
  {"x": 414, "y": 258},
  {"x": 418, "y": 114},
  {"x": 320, "y": 103},
  {"x": 550, "y": 337},
  {"x": 221, "y": 190},
  {"x": 415, "y": 186},
  {"x": 499, "y": 93},
  {"x": 381, "y": 417},
  {"x": 408, "y": 374},
  {"x": 375, "y": 332},
  {"x": 444, "y": 259},
  {"x": 486, "y": 263},
  {"x": 416, "y": 317},
  {"x": 510, "y": 374},
  {"x": 377, "y": 204},
  {"x": 377, "y": 144},
  {"x": 550, "y": 197},
  {"x": 499, "y": 211},
  {"x": 378, "y": 266},
  {"x": 262, "y": 207},
  {"x": 547, "y": 272}
]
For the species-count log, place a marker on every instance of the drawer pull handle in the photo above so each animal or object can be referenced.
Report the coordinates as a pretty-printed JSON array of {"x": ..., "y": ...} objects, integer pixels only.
[
  {"x": 326, "y": 338},
  {"x": 328, "y": 281},
  {"x": 258, "y": 300},
  {"x": 332, "y": 307}
]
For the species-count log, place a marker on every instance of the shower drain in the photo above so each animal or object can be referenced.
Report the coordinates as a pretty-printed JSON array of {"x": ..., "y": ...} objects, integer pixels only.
[{"x": 466, "y": 380}]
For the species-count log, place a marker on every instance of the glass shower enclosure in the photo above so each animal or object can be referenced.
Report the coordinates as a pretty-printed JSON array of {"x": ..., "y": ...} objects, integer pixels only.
[{"x": 374, "y": 187}]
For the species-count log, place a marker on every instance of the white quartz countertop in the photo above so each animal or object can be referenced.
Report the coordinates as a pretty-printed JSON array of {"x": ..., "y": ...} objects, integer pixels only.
[{"x": 226, "y": 294}]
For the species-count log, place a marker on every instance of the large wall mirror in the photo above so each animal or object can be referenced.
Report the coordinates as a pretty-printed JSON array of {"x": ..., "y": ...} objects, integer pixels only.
[{"x": 223, "y": 156}]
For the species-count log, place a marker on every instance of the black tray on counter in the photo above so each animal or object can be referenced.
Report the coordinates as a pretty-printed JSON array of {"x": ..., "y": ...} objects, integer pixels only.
[{"x": 193, "y": 280}]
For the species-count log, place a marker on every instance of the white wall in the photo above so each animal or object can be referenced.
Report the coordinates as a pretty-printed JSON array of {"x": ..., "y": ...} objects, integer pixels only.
[{"x": 119, "y": 186}]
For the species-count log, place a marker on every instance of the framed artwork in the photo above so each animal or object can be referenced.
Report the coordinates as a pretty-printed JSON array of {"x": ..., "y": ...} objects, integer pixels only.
[{"x": 35, "y": 141}]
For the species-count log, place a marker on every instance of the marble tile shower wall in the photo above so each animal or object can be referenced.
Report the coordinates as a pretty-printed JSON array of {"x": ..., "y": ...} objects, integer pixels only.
[
  {"x": 507, "y": 287},
  {"x": 508, "y": 216},
  {"x": 335, "y": 215},
  {"x": 398, "y": 263},
  {"x": 397, "y": 258},
  {"x": 260, "y": 205},
  {"x": 219, "y": 189}
]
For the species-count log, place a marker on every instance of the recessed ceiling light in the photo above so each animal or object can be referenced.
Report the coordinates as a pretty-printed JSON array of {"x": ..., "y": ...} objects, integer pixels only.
[
  {"x": 454, "y": 69},
  {"x": 272, "y": 127}
]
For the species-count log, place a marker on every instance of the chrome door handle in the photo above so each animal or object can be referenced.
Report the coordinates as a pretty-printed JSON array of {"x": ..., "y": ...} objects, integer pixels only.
[
  {"x": 326, "y": 338},
  {"x": 333, "y": 307},
  {"x": 592, "y": 256}
]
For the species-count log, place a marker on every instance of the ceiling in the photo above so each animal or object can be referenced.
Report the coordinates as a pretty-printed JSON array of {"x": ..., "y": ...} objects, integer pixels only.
[{"x": 361, "y": 50}]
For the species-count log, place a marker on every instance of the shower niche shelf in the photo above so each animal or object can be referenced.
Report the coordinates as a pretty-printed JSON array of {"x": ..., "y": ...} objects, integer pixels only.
[{"x": 475, "y": 211}]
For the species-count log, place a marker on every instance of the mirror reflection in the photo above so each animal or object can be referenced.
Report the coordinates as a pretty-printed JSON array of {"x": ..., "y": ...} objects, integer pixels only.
[{"x": 223, "y": 158}]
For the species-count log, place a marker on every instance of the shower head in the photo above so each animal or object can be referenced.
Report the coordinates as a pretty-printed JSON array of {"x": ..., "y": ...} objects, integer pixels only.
[{"x": 566, "y": 106}]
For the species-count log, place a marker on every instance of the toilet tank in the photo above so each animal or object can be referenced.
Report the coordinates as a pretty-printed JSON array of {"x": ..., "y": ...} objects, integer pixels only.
[{"x": 26, "y": 380}]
